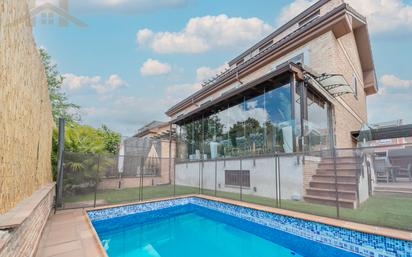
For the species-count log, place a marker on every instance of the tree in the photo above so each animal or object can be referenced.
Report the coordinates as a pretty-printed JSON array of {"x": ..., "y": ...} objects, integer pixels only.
[
  {"x": 111, "y": 139},
  {"x": 61, "y": 107}
]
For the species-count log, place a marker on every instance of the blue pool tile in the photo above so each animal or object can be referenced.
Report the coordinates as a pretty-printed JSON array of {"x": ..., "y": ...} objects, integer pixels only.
[{"x": 353, "y": 241}]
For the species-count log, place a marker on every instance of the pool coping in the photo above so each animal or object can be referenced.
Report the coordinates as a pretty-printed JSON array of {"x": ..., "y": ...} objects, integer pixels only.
[
  {"x": 94, "y": 233},
  {"x": 375, "y": 230}
]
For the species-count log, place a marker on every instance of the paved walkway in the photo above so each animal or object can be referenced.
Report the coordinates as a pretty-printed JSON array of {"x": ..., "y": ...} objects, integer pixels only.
[{"x": 68, "y": 234}]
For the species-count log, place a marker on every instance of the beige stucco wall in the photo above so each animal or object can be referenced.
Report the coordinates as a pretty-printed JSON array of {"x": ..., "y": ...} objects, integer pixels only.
[{"x": 25, "y": 111}]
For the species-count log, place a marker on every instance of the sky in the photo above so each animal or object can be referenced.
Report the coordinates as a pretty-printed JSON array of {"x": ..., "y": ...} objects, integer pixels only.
[{"x": 134, "y": 59}]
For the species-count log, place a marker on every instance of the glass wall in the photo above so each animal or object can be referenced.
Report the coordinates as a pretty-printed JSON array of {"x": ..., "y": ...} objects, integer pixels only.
[
  {"x": 317, "y": 128},
  {"x": 265, "y": 123},
  {"x": 256, "y": 125}
]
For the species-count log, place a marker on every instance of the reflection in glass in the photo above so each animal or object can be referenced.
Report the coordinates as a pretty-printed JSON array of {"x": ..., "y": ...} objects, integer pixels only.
[
  {"x": 258, "y": 124},
  {"x": 280, "y": 125},
  {"x": 317, "y": 129}
]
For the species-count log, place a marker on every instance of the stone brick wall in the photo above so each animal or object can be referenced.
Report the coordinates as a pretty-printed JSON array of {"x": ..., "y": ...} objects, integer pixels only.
[
  {"x": 22, "y": 241},
  {"x": 25, "y": 111},
  {"x": 340, "y": 56}
]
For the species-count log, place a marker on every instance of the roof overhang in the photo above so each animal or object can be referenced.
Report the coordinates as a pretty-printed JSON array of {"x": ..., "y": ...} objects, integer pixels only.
[
  {"x": 341, "y": 21},
  {"x": 256, "y": 87},
  {"x": 387, "y": 133},
  {"x": 361, "y": 33}
]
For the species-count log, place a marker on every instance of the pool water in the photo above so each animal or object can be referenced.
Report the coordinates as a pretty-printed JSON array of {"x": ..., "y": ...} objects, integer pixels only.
[{"x": 196, "y": 231}]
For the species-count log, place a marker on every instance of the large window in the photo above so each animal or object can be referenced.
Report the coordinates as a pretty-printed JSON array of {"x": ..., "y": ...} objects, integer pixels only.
[
  {"x": 258, "y": 124},
  {"x": 283, "y": 119}
]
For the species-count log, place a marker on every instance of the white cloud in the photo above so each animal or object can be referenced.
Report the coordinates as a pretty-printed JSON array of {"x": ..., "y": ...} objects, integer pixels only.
[
  {"x": 394, "y": 100},
  {"x": 75, "y": 82},
  {"x": 203, "y": 33},
  {"x": 153, "y": 67},
  {"x": 293, "y": 9},
  {"x": 382, "y": 15},
  {"x": 120, "y": 113},
  {"x": 143, "y": 36},
  {"x": 389, "y": 80},
  {"x": 203, "y": 73}
]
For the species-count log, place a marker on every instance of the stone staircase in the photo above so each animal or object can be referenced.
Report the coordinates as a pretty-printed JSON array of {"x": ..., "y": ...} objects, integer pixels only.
[{"x": 322, "y": 188}]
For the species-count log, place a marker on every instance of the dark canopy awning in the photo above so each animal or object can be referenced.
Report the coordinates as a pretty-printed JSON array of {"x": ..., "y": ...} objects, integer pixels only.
[
  {"x": 256, "y": 87},
  {"x": 387, "y": 133}
]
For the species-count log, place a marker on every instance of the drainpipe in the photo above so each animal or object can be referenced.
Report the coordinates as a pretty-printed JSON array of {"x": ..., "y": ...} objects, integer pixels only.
[{"x": 237, "y": 78}]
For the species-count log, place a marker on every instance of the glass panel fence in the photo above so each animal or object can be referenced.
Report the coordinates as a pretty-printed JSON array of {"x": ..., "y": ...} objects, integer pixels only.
[
  {"x": 306, "y": 183},
  {"x": 118, "y": 181},
  {"x": 81, "y": 172},
  {"x": 260, "y": 177},
  {"x": 369, "y": 185},
  {"x": 228, "y": 179},
  {"x": 383, "y": 180},
  {"x": 187, "y": 178}
]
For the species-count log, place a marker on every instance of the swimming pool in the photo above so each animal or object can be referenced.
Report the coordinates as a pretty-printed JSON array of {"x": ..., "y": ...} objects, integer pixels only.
[{"x": 200, "y": 227}]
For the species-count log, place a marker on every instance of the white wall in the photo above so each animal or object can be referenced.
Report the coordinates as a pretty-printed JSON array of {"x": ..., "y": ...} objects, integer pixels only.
[
  {"x": 363, "y": 180},
  {"x": 262, "y": 176}
]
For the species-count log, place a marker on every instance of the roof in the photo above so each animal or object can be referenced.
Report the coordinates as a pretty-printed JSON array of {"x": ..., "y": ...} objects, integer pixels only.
[
  {"x": 253, "y": 88},
  {"x": 150, "y": 126},
  {"x": 313, "y": 28},
  {"x": 387, "y": 132},
  {"x": 278, "y": 31}
]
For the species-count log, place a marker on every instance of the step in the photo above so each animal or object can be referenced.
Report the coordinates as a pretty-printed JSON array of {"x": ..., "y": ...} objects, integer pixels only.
[
  {"x": 329, "y": 161},
  {"x": 342, "y": 172},
  {"x": 345, "y": 203},
  {"x": 351, "y": 195},
  {"x": 331, "y": 185},
  {"x": 393, "y": 188},
  {"x": 344, "y": 165},
  {"x": 331, "y": 178},
  {"x": 347, "y": 158},
  {"x": 399, "y": 192}
]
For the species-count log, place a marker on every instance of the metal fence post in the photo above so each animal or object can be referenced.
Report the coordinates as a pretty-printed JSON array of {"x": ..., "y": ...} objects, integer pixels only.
[
  {"x": 198, "y": 185},
  {"x": 279, "y": 183},
  {"x": 60, "y": 160},
  {"x": 241, "y": 179},
  {"x": 336, "y": 181},
  {"x": 276, "y": 180},
  {"x": 201, "y": 178},
  {"x": 215, "y": 177},
  {"x": 141, "y": 178},
  {"x": 96, "y": 179},
  {"x": 174, "y": 178}
]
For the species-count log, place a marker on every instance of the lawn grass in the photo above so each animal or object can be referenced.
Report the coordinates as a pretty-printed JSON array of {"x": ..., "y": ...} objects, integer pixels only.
[{"x": 387, "y": 211}]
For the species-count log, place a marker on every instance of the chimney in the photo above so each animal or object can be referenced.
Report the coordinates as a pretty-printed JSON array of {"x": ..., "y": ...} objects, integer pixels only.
[{"x": 64, "y": 5}]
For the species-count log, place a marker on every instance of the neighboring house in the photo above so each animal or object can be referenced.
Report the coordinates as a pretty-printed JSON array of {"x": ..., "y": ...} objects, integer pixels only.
[
  {"x": 155, "y": 129},
  {"x": 301, "y": 88},
  {"x": 148, "y": 154}
]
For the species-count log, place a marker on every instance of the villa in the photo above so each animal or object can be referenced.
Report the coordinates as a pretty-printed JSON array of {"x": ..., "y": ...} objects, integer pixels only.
[
  {"x": 272, "y": 157},
  {"x": 302, "y": 88}
]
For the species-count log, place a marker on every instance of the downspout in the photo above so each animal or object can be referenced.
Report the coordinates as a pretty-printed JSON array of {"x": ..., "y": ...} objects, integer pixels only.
[{"x": 237, "y": 78}]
